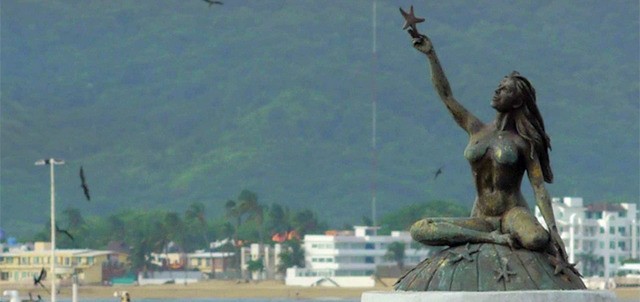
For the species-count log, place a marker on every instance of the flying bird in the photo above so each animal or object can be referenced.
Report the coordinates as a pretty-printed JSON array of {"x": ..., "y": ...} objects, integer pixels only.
[
  {"x": 212, "y": 2},
  {"x": 438, "y": 172},
  {"x": 59, "y": 230},
  {"x": 84, "y": 186},
  {"x": 38, "y": 280}
]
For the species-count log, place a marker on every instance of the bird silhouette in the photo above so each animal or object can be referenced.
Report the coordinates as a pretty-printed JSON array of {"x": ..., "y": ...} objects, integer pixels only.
[
  {"x": 38, "y": 280},
  {"x": 83, "y": 185},
  {"x": 212, "y": 2},
  {"x": 438, "y": 172},
  {"x": 59, "y": 230}
]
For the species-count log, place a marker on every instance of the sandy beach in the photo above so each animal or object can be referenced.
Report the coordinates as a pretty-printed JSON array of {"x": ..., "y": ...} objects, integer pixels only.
[
  {"x": 233, "y": 289},
  {"x": 215, "y": 289}
]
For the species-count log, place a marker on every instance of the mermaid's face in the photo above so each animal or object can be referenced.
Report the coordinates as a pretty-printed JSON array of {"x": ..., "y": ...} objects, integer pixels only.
[{"x": 505, "y": 97}]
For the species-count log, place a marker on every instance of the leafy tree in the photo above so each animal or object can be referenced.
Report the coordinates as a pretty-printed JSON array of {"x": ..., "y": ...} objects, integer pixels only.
[
  {"x": 291, "y": 255},
  {"x": 196, "y": 226},
  {"x": 73, "y": 217},
  {"x": 117, "y": 227},
  {"x": 396, "y": 252},
  {"x": 278, "y": 219},
  {"x": 250, "y": 207},
  {"x": 366, "y": 221},
  {"x": 255, "y": 265},
  {"x": 306, "y": 222}
]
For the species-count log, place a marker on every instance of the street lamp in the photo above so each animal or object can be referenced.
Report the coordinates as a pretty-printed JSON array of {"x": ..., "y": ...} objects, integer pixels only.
[{"x": 52, "y": 162}]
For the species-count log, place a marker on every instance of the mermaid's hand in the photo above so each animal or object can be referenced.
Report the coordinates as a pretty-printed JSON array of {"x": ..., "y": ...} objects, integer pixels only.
[
  {"x": 504, "y": 239},
  {"x": 421, "y": 42}
]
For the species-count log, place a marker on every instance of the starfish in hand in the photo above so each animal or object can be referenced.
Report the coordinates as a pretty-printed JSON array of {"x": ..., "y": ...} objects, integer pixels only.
[
  {"x": 464, "y": 254},
  {"x": 410, "y": 20},
  {"x": 504, "y": 272}
]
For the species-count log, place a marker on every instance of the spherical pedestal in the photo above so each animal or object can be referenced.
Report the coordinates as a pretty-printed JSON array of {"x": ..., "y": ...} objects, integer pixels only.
[
  {"x": 528, "y": 296},
  {"x": 490, "y": 267}
]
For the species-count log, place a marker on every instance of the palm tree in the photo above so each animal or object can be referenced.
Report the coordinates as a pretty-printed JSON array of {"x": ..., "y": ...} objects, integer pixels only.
[
  {"x": 396, "y": 252},
  {"x": 232, "y": 212},
  {"x": 278, "y": 219},
  {"x": 250, "y": 206},
  {"x": 196, "y": 213}
]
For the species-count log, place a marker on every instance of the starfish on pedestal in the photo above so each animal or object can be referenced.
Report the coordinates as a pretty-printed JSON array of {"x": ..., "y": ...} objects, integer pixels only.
[
  {"x": 464, "y": 254},
  {"x": 562, "y": 266},
  {"x": 410, "y": 20},
  {"x": 504, "y": 272}
]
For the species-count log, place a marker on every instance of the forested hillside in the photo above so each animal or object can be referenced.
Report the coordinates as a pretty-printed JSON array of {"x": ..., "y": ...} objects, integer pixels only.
[{"x": 166, "y": 103}]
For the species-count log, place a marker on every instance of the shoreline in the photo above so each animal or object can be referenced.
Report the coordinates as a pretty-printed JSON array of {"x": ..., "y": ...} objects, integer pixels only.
[
  {"x": 210, "y": 289},
  {"x": 232, "y": 289}
]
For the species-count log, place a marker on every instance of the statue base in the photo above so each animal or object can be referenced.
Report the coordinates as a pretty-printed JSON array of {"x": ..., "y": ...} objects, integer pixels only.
[
  {"x": 498, "y": 296},
  {"x": 489, "y": 267}
]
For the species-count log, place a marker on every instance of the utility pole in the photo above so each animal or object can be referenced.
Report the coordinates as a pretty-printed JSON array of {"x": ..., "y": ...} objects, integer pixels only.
[
  {"x": 374, "y": 117},
  {"x": 52, "y": 162}
]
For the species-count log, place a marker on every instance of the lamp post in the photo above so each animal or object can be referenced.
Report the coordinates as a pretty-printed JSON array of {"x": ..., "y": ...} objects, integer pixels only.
[
  {"x": 52, "y": 162},
  {"x": 607, "y": 249}
]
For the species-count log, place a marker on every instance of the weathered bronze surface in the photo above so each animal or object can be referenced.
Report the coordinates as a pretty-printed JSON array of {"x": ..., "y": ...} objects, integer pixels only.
[
  {"x": 490, "y": 267},
  {"x": 501, "y": 246}
]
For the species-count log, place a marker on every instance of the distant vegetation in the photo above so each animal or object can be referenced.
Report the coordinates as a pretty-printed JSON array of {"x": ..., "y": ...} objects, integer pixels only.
[
  {"x": 246, "y": 221},
  {"x": 176, "y": 104}
]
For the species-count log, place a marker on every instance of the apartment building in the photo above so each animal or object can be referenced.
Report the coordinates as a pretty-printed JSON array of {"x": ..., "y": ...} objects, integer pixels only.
[
  {"x": 350, "y": 258},
  {"x": 599, "y": 236},
  {"x": 21, "y": 265}
]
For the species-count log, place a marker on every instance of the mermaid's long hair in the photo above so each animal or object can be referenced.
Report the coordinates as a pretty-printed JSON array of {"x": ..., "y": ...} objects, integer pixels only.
[{"x": 530, "y": 125}]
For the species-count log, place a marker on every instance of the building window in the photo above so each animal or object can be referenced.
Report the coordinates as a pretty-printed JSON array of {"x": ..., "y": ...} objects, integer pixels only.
[
  {"x": 369, "y": 246},
  {"x": 622, "y": 245},
  {"x": 369, "y": 232},
  {"x": 601, "y": 230},
  {"x": 612, "y": 230},
  {"x": 612, "y": 245},
  {"x": 601, "y": 245},
  {"x": 368, "y": 259},
  {"x": 622, "y": 214},
  {"x": 612, "y": 260},
  {"x": 622, "y": 230}
]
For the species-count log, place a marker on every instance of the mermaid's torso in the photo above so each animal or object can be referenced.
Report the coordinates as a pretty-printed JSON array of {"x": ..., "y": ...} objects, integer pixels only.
[
  {"x": 500, "y": 145},
  {"x": 497, "y": 169}
]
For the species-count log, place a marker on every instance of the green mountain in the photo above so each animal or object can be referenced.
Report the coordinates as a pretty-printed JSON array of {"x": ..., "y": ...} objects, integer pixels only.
[{"x": 165, "y": 103}]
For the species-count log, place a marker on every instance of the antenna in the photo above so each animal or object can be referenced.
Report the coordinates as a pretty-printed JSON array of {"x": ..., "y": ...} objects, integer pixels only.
[{"x": 374, "y": 103}]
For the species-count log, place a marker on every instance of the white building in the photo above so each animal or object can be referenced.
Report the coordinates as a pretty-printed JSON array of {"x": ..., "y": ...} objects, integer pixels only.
[
  {"x": 270, "y": 260},
  {"x": 350, "y": 258},
  {"x": 599, "y": 236}
]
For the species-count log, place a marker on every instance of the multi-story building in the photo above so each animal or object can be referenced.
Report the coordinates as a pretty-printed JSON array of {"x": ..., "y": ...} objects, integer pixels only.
[
  {"x": 20, "y": 266},
  {"x": 208, "y": 263},
  {"x": 269, "y": 257},
  {"x": 350, "y": 259},
  {"x": 600, "y": 236}
]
